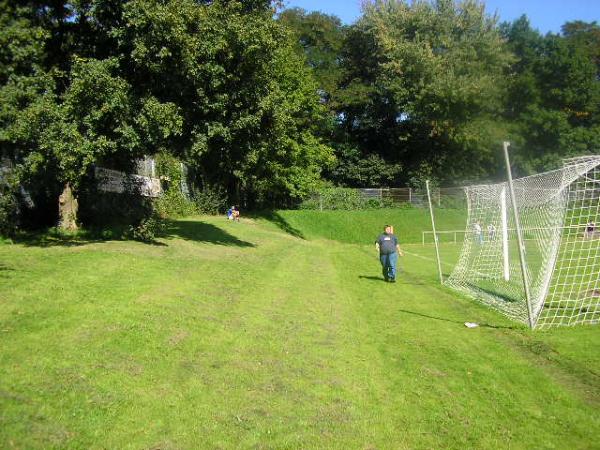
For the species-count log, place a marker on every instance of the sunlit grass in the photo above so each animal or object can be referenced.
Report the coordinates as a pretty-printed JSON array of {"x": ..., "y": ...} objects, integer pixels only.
[{"x": 238, "y": 335}]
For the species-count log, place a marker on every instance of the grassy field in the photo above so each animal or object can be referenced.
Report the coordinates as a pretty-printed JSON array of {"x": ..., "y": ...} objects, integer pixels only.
[
  {"x": 247, "y": 335},
  {"x": 360, "y": 227}
]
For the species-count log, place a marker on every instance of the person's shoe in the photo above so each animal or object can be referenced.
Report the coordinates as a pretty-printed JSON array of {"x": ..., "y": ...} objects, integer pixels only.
[
  {"x": 392, "y": 280},
  {"x": 386, "y": 279}
]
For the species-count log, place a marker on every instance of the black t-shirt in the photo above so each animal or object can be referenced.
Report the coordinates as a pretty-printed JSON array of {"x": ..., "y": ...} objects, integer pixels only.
[{"x": 387, "y": 243}]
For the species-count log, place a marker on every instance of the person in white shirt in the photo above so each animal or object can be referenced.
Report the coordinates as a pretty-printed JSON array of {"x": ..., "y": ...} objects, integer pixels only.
[{"x": 478, "y": 232}]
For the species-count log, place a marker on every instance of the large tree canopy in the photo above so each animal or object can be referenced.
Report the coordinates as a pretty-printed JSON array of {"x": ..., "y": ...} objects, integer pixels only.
[
  {"x": 215, "y": 83},
  {"x": 554, "y": 96},
  {"x": 267, "y": 105},
  {"x": 424, "y": 85},
  {"x": 432, "y": 88}
]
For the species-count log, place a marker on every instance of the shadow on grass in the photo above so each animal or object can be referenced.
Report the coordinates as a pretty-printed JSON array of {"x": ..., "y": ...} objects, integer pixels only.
[
  {"x": 53, "y": 239},
  {"x": 442, "y": 319},
  {"x": 497, "y": 294},
  {"x": 372, "y": 278},
  {"x": 57, "y": 238},
  {"x": 203, "y": 232},
  {"x": 400, "y": 279},
  {"x": 187, "y": 230},
  {"x": 278, "y": 220}
]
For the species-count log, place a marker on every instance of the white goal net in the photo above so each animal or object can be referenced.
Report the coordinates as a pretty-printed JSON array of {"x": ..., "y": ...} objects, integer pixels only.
[{"x": 559, "y": 216}]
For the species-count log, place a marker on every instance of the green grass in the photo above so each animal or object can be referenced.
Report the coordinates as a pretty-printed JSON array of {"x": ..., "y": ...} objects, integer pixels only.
[
  {"x": 239, "y": 335},
  {"x": 571, "y": 297},
  {"x": 359, "y": 227}
]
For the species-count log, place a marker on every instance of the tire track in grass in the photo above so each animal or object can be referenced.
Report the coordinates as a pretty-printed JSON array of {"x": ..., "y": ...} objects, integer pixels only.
[
  {"x": 290, "y": 359},
  {"x": 261, "y": 370},
  {"x": 202, "y": 309},
  {"x": 288, "y": 369}
]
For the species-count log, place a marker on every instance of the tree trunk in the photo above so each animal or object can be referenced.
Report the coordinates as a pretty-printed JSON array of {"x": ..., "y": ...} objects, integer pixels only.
[{"x": 67, "y": 209}]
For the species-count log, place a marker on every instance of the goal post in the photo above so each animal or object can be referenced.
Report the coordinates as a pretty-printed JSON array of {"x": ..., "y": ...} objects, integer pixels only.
[
  {"x": 559, "y": 214},
  {"x": 521, "y": 245},
  {"x": 504, "y": 229},
  {"x": 435, "y": 238}
]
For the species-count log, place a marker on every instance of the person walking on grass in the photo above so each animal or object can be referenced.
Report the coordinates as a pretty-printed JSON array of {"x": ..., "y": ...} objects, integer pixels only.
[{"x": 388, "y": 247}]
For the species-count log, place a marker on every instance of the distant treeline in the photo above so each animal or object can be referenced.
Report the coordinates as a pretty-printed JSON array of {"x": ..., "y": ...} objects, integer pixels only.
[
  {"x": 432, "y": 88},
  {"x": 268, "y": 105}
]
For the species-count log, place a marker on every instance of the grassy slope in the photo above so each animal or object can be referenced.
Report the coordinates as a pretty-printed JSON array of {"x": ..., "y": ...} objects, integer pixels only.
[
  {"x": 356, "y": 226},
  {"x": 238, "y": 335}
]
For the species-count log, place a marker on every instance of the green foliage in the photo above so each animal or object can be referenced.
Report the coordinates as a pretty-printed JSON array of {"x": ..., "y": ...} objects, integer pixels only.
[
  {"x": 172, "y": 203},
  {"x": 353, "y": 169},
  {"x": 430, "y": 87},
  {"x": 169, "y": 169},
  {"x": 98, "y": 119},
  {"x": 555, "y": 96},
  {"x": 26, "y": 88},
  {"x": 347, "y": 199},
  {"x": 586, "y": 36},
  {"x": 211, "y": 200},
  {"x": 216, "y": 84},
  {"x": 149, "y": 228},
  {"x": 9, "y": 205},
  {"x": 335, "y": 198},
  {"x": 320, "y": 38},
  {"x": 251, "y": 105}
]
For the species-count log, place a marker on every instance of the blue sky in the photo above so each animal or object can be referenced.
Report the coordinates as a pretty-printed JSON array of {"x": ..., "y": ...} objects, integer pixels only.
[{"x": 545, "y": 15}]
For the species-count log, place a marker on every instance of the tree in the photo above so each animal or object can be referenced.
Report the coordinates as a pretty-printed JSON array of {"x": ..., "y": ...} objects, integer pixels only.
[
  {"x": 355, "y": 170},
  {"x": 430, "y": 89},
  {"x": 216, "y": 84},
  {"x": 319, "y": 38},
  {"x": 249, "y": 104},
  {"x": 63, "y": 113},
  {"x": 24, "y": 84},
  {"x": 585, "y": 35},
  {"x": 554, "y": 97},
  {"x": 97, "y": 119}
]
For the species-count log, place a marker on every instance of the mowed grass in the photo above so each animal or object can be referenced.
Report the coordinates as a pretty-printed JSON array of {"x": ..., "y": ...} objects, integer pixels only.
[
  {"x": 358, "y": 227},
  {"x": 240, "y": 335}
]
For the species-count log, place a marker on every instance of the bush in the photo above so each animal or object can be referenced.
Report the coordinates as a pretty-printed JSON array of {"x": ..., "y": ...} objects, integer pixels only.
[
  {"x": 336, "y": 199},
  {"x": 9, "y": 206},
  {"x": 347, "y": 199},
  {"x": 385, "y": 202},
  {"x": 9, "y": 209},
  {"x": 148, "y": 229},
  {"x": 211, "y": 200},
  {"x": 172, "y": 203}
]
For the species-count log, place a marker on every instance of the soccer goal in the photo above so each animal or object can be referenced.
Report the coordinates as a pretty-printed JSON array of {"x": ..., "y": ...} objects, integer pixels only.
[{"x": 559, "y": 221}]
